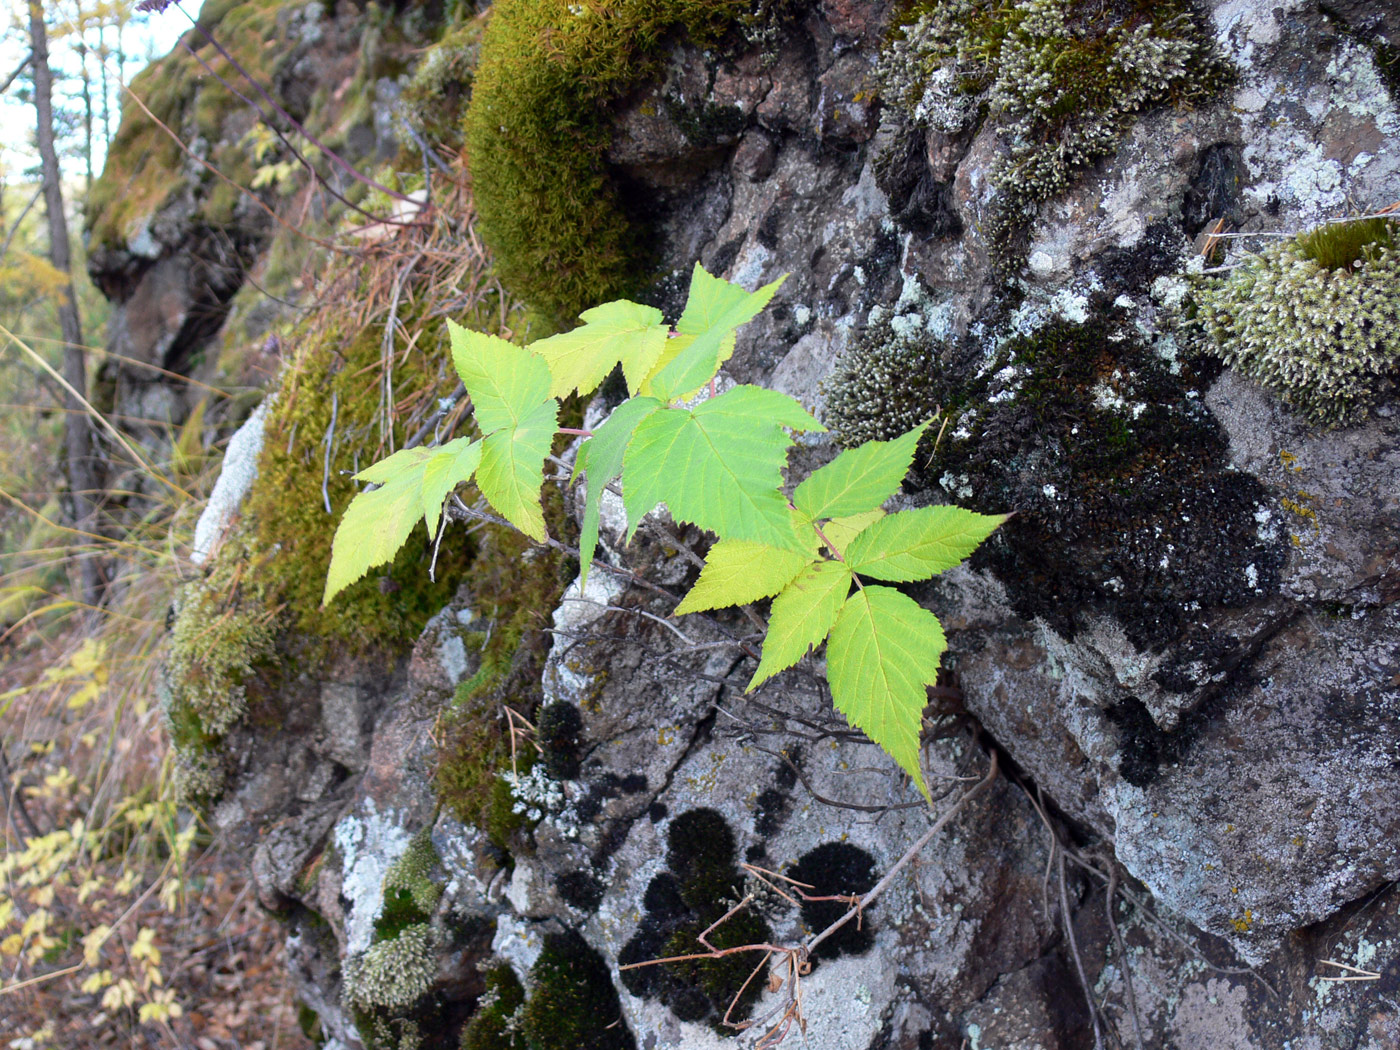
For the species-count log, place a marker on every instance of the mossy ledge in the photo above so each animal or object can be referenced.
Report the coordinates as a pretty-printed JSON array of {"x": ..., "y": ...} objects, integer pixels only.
[{"x": 537, "y": 129}]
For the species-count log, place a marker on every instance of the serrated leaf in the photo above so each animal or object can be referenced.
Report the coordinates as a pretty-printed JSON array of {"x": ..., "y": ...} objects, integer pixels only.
[
  {"x": 737, "y": 572},
  {"x": 615, "y": 333},
  {"x": 676, "y": 345},
  {"x": 506, "y": 382},
  {"x": 859, "y": 479},
  {"x": 512, "y": 469},
  {"x": 393, "y": 466},
  {"x": 801, "y": 617},
  {"x": 719, "y": 465},
  {"x": 884, "y": 650},
  {"x": 841, "y": 531},
  {"x": 452, "y": 464},
  {"x": 377, "y": 523},
  {"x": 916, "y": 544},
  {"x": 715, "y": 308},
  {"x": 600, "y": 457}
]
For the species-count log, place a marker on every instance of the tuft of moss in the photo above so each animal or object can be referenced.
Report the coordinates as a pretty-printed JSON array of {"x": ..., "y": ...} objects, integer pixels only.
[
  {"x": 884, "y": 386},
  {"x": 1063, "y": 79},
  {"x": 1316, "y": 319},
  {"x": 496, "y": 1023},
  {"x": 573, "y": 1004},
  {"x": 537, "y": 128},
  {"x": 392, "y": 974},
  {"x": 410, "y": 894}
]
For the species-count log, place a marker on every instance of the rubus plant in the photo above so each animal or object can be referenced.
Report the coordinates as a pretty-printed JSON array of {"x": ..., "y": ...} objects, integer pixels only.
[{"x": 716, "y": 462}]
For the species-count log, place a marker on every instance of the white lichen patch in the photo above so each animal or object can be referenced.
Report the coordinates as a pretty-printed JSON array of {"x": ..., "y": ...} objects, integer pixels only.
[{"x": 368, "y": 844}]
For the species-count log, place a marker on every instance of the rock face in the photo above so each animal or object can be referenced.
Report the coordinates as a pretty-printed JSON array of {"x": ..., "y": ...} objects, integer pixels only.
[{"x": 1184, "y": 650}]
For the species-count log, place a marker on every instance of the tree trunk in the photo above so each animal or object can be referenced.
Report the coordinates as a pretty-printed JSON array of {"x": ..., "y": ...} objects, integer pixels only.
[{"x": 78, "y": 436}]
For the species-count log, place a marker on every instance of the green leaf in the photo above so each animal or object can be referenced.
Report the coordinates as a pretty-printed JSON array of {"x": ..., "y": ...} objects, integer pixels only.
[
  {"x": 916, "y": 544},
  {"x": 801, "y": 616},
  {"x": 841, "y": 531},
  {"x": 452, "y": 464},
  {"x": 737, "y": 572},
  {"x": 719, "y": 465},
  {"x": 675, "y": 346},
  {"x": 884, "y": 650},
  {"x": 377, "y": 523},
  {"x": 618, "y": 332},
  {"x": 512, "y": 469},
  {"x": 506, "y": 382},
  {"x": 715, "y": 308},
  {"x": 600, "y": 457},
  {"x": 859, "y": 479}
]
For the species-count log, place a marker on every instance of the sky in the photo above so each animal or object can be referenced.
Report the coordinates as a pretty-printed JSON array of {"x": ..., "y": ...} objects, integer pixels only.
[{"x": 154, "y": 37}]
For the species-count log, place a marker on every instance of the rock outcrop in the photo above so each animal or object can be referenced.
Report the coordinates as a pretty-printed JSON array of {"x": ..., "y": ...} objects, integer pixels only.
[{"x": 1184, "y": 650}]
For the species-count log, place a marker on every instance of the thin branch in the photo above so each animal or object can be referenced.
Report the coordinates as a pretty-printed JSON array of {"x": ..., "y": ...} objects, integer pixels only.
[
  {"x": 38, "y": 192},
  {"x": 18, "y": 70}
]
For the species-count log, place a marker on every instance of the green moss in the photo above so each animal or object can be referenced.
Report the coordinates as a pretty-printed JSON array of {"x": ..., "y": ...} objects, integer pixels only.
[
  {"x": 496, "y": 1024},
  {"x": 573, "y": 1004},
  {"x": 537, "y": 128},
  {"x": 514, "y": 585},
  {"x": 1063, "y": 79},
  {"x": 436, "y": 95},
  {"x": 392, "y": 974},
  {"x": 410, "y": 894},
  {"x": 1315, "y": 319}
]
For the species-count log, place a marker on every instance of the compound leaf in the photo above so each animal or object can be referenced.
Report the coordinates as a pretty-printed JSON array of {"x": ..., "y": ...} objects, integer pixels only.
[
  {"x": 859, "y": 479},
  {"x": 600, "y": 457},
  {"x": 884, "y": 650},
  {"x": 452, "y": 464},
  {"x": 719, "y": 465},
  {"x": 715, "y": 308},
  {"x": 512, "y": 468},
  {"x": 617, "y": 332},
  {"x": 506, "y": 382},
  {"x": 801, "y": 616},
  {"x": 740, "y": 571},
  {"x": 916, "y": 544},
  {"x": 377, "y": 523}
]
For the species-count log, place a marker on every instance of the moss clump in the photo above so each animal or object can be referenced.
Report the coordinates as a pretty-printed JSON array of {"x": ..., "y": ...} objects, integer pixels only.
[
  {"x": 496, "y": 1023},
  {"x": 701, "y": 885},
  {"x": 513, "y": 584},
  {"x": 537, "y": 129},
  {"x": 392, "y": 974},
  {"x": 1315, "y": 319},
  {"x": 573, "y": 1004},
  {"x": 1063, "y": 78},
  {"x": 886, "y": 385},
  {"x": 410, "y": 894}
]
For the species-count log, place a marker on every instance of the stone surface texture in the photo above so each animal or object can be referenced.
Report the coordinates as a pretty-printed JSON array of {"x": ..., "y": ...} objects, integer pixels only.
[{"x": 1198, "y": 814}]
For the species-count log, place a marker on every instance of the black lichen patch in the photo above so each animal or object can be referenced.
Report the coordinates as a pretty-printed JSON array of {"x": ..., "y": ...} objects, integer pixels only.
[
  {"x": 836, "y": 869},
  {"x": 769, "y": 810},
  {"x": 580, "y": 889},
  {"x": 1124, "y": 497},
  {"x": 702, "y": 884},
  {"x": 557, "y": 732},
  {"x": 573, "y": 1004}
]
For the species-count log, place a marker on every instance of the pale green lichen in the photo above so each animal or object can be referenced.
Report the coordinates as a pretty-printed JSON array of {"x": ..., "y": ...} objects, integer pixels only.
[
  {"x": 1316, "y": 318},
  {"x": 1063, "y": 79},
  {"x": 392, "y": 974}
]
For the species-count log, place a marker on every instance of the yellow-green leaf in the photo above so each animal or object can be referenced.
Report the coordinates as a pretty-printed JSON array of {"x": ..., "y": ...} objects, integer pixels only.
[
  {"x": 841, "y": 531},
  {"x": 916, "y": 544},
  {"x": 801, "y": 617},
  {"x": 859, "y": 479},
  {"x": 883, "y": 652},
  {"x": 511, "y": 472},
  {"x": 506, "y": 382},
  {"x": 718, "y": 465},
  {"x": 377, "y": 523},
  {"x": 615, "y": 333},
  {"x": 452, "y": 464},
  {"x": 740, "y": 571},
  {"x": 600, "y": 458}
]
